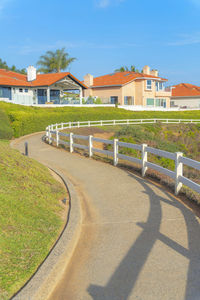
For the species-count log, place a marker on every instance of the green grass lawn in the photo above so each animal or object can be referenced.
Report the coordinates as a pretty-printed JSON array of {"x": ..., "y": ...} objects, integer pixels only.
[
  {"x": 25, "y": 120},
  {"x": 31, "y": 217}
]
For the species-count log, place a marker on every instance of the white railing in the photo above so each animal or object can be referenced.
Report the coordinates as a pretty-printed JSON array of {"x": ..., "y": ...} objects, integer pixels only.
[
  {"x": 78, "y": 124},
  {"x": 180, "y": 161}
]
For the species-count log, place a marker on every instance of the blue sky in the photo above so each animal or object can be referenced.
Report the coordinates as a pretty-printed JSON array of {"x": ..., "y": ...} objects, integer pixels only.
[{"x": 105, "y": 34}]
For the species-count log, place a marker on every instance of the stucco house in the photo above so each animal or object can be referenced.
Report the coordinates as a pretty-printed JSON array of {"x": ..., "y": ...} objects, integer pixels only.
[
  {"x": 185, "y": 95},
  {"x": 129, "y": 88},
  {"x": 36, "y": 88}
]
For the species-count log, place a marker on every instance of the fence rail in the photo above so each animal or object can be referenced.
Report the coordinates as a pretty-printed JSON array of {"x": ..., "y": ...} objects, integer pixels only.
[
  {"x": 53, "y": 134},
  {"x": 78, "y": 124}
]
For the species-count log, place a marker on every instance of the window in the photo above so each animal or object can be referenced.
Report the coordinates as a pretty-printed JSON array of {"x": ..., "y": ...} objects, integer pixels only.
[
  {"x": 21, "y": 90},
  {"x": 26, "y": 90},
  {"x": 149, "y": 82},
  {"x": 158, "y": 102},
  {"x": 160, "y": 86},
  {"x": 161, "y": 102},
  {"x": 128, "y": 100},
  {"x": 157, "y": 86},
  {"x": 113, "y": 99},
  {"x": 150, "y": 101}
]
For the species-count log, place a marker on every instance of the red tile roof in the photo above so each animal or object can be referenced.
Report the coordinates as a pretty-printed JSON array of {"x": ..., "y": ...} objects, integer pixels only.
[
  {"x": 185, "y": 90},
  {"x": 121, "y": 78},
  {"x": 10, "y": 78}
]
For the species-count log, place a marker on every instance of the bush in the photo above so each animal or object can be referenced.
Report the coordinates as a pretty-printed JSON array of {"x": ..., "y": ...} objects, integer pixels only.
[
  {"x": 97, "y": 101},
  {"x": 6, "y": 132},
  {"x": 25, "y": 120}
]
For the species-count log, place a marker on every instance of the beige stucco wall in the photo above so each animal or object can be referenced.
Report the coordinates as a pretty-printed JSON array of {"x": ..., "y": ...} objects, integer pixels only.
[
  {"x": 128, "y": 90},
  {"x": 139, "y": 92},
  {"x": 136, "y": 88},
  {"x": 155, "y": 94},
  {"x": 105, "y": 92}
]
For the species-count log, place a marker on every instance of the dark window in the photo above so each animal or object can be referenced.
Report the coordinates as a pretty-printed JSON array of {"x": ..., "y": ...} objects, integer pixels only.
[
  {"x": 21, "y": 90},
  {"x": 113, "y": 99},
  {"x": 5, "y": 92},
  {"x": 26, "y": 90}
]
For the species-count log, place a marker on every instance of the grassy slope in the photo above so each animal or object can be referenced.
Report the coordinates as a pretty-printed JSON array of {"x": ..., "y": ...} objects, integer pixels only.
[
  {"x": 6, "y": 132},
  {"x": 26, "y": 120},
  {"x": 30, "y": 217}
]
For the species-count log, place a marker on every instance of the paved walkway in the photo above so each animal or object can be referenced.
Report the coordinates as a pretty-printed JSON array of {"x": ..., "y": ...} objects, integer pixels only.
[{"x": 137, "y": 242}]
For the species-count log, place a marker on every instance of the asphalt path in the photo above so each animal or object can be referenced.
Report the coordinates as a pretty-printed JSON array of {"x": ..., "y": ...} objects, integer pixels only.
[{"x": 137, "y": 241}]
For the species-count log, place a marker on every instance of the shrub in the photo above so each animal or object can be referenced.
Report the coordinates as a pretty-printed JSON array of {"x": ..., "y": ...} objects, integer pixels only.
[
  {"x": 98, "y": 101},
  {"x": 25, "y": 120}
]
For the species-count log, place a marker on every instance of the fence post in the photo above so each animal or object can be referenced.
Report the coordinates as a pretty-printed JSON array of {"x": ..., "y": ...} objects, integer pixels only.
[
  {"x": 57, "y": 138},
  {"x": 90, "y": 145},
  {"x": 178, "y": 172},
  {"x": 62, "y": 126},
  {"x": 71, "y": 142},
  {"x": 26, "y": 148},
  {"x": 49, "y": 135},
  {"x": 144, "y": 159},
  {"x": 78, "y": 124},
  {"x": 52, "y": 127},
  {"x": 115, "y": 152},
  {"x": 56, "y": 126}
]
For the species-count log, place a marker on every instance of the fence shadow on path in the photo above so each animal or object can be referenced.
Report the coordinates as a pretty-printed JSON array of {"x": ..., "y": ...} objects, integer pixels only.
[{"x": 123, "y": 280}]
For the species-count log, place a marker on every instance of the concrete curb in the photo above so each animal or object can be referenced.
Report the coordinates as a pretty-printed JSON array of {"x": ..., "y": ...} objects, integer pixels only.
[{"x": 42, "y": 283}]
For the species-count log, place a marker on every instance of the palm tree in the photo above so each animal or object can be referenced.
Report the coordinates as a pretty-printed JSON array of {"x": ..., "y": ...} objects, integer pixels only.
[
  {"x": 132, "y": 68},
  {"x": 126, "y": 69},
  {"x": 122, "y": 69},
  {"x": 54, "y": 62}
]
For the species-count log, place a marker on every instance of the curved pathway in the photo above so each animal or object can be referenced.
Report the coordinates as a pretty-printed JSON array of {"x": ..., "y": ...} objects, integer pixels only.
[{"x": 137, "y": 241}]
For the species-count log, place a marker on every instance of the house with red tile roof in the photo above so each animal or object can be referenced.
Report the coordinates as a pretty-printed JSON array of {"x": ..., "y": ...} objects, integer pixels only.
[
  {"x": 185, "y": 95},
  {"x": 130, "y": 88},
  {"x": 36, "y": 88}
]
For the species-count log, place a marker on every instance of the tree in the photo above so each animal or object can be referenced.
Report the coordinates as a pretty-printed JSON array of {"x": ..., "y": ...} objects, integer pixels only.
[
  {"x": 126, "y": 69},
  {"x": 122, "y": 69},
  {"x": 3, "y": 65},
  {"x": 54, "y": 62}
]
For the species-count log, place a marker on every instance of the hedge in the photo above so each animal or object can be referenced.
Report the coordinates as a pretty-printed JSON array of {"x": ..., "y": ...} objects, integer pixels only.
[{"x": 25, "y": 120}]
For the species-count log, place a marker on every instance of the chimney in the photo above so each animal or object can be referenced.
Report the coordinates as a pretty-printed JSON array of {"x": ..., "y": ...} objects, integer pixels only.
[
  {"x": 154, "y": 72},
  {"x": 146, "y": 70},
  {"x": 88, "y": 79},
  {"x": 31, "y": 73}
]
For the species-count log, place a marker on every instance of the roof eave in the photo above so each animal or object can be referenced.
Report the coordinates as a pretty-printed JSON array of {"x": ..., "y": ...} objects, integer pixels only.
[{"x": 191, "y": 96}]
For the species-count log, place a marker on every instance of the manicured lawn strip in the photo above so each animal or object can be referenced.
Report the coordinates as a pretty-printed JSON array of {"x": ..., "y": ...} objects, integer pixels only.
[
  {"x": 31, "y": 217},
  {"x": 25, "y": 120}
]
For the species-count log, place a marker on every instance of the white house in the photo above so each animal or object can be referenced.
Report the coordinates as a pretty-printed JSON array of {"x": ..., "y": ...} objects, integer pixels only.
[
  {"x": 185, "y": 95},
  {"x": 33, "y": 88}
]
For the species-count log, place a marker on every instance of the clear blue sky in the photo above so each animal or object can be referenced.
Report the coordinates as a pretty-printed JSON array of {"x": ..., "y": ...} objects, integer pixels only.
[{"x": 105, "y": 34}]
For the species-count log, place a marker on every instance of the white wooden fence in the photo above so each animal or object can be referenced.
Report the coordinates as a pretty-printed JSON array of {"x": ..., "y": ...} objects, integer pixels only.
[
  {"x": 78, "y": 124},
  {"x": 53, "y": 134}
]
